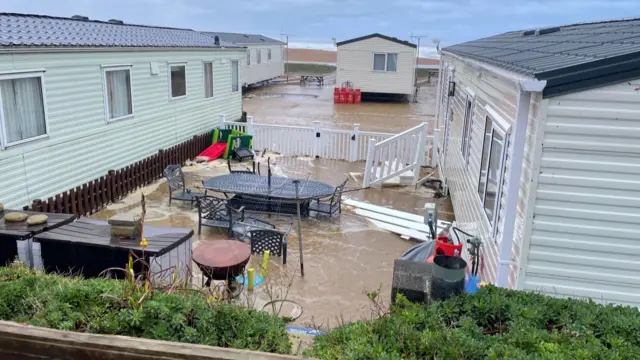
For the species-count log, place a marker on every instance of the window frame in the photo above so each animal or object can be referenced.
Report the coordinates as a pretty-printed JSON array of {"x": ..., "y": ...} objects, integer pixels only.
[
  {"x": 467, "y": 125},
  {"x": 248, "y": 57},
  {"x": 11, "y": 75},
  {"x": 500, "y": 125},
  {"x": 238, "y": 70},
  {"x": 105, "y": 69},
  {"x": 186, "y": 87},
  {"x": 386, "y": 62},
  {"x": 258, "y": 56},
  {"x": 204, "y": 80},
  {"x": 268, "y": 55}
]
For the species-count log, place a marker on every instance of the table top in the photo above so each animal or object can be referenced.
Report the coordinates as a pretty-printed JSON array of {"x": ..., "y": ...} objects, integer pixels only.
[
  {"x": 281, "y": 187},
  {"x": 20, "y": 230},
  {"x": 222, "y": 253},
  {"x": 98, "y": 233}
]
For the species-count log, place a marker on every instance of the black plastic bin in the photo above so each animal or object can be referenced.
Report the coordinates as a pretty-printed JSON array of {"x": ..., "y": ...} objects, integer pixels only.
[{"x": 447, "y": 277}]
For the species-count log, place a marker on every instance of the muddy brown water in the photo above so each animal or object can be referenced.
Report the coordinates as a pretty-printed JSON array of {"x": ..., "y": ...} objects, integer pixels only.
[
  {"x": 303, "y": 111},
  {"x": 344, "y": 256}
]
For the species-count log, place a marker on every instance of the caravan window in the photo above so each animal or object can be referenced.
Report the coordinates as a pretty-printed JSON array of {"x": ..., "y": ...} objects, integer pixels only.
[
  {"x": 118, "y": 100},
  {"x": 208, "y": 79},
  {"x": 492, "y": 164},
  {"x": 23, "y": 115}
]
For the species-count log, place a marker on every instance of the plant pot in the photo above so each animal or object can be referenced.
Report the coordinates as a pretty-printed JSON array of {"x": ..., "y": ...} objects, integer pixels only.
[{"x": 447, "y": 277}]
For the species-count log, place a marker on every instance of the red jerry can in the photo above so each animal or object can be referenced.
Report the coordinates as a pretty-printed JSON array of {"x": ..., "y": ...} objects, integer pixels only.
[
  {"x": 349, "y": 96},
  {"x": 343, "y": 96},
  {"x": 357, "y": 97},
  {"x": 444, "y": 247},
  {"x": 336, "y": 95}
]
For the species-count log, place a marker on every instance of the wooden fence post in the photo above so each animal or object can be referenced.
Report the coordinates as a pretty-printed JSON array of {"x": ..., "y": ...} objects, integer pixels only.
[
  {"x": 316, "y": 139},
  {"x": 368, "y": 168},
  {"x": 435, "y": 152},
  {"x": 250, "y": 125},
  {"x": 353, "y": 150},
  {"x": 422, "y": 144}
]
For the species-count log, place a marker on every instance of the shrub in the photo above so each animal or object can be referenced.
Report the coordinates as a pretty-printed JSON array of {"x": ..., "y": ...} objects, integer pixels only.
[
  {"x": 492, "y": 324},
  {"x": 103, "y": 306}
]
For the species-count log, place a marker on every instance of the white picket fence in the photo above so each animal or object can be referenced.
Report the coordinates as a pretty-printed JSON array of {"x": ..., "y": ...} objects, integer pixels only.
[{"x": 350, "y": 145}]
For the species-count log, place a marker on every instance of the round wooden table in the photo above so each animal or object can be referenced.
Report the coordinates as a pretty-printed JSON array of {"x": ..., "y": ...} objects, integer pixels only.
[{"x": 222, "y": 260}]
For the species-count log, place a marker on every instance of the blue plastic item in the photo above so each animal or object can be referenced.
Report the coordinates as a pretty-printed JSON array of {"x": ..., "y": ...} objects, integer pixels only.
[
  {"x": 244, "y": 279},
  {"x": 471, "y": 286},
  {"x": 303, "y": 330}
]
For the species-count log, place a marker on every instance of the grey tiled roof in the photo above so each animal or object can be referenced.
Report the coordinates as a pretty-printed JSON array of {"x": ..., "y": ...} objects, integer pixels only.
[
  {"x": 569, "y": 45},
  {"x": 389, "y": 38},
  {"x": 49, "y": 31},
  {"x": 244, "y": 39},
  {"x": 569, "y": 57}
]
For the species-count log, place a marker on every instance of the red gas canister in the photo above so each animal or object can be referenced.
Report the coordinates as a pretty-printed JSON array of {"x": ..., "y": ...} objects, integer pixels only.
[
  {"x": 445, "y": 247},
  {"x": 343, "y": 96},
  {"x": 349, "y": 96},
  {"x": 357, "y": 97},
  {"x": 336, "y": 95}
]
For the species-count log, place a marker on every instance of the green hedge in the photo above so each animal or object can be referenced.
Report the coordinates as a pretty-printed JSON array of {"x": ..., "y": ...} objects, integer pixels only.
[
  {"x": 493, "y": 324},
  {"x": 104, "y": 306}
]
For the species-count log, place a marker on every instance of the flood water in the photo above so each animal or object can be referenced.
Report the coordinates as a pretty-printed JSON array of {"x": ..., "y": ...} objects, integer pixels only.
[
  {"x": 290, "y": 109},
  {"x": 344, "y": 256}
]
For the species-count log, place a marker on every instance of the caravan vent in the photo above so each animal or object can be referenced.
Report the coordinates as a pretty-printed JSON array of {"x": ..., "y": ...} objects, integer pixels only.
[
  {"x": 80, "y": 17},
  {"x": 116, "y": 21},
  {"x": 528, "y": 32},
  {"x": 548, "y": 30}
]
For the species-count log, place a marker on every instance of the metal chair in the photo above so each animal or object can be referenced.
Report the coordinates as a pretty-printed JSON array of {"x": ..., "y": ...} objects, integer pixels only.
[
  {"x": 240, "y": 230},
  {"x": 215, "y": 212},
  {"x": 264, "y": 239},
  {"x": 177, "y": 187},
  {"x": 332, "y": 204}
]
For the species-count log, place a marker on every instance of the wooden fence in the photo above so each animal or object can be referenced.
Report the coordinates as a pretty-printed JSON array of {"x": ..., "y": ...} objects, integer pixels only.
[{"x": 116, "y": 184}]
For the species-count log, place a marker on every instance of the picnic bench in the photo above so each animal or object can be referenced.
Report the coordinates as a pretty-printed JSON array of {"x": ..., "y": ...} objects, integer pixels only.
[{"x": 311, "y": 79}]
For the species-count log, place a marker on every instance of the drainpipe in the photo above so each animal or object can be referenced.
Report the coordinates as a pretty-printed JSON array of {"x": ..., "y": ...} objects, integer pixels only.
[{"x": 526, "y": 87}]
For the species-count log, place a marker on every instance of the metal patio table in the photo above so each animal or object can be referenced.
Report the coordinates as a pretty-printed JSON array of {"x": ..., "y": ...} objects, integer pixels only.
[{"x": 273, "y": 194}]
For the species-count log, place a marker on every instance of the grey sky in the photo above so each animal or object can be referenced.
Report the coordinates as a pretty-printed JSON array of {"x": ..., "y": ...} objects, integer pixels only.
[{"x": 315, "y": 22}]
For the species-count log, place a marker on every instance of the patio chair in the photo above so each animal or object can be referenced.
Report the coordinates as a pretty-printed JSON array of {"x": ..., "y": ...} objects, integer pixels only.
[
  {"x": 177, "y": 187},
  {"x": 265, "y": 239},
  {"x": 216, "y": 212},
  {"x": 240, "y": 230},
  {"x": 331, "y": 205}
]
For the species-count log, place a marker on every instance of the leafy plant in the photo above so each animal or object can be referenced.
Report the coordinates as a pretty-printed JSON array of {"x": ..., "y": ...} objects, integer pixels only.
[
  {"x": 106, "y": 306},
  {"x": 492, "y": 324}
]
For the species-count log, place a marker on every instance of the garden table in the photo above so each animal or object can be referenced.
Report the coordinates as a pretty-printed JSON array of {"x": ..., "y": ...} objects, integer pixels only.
[
  {"x": 222, "y": 260},
  {"x": 268, "y": 194},
  {"x": 86, "y": 246},
  {"x": 15, "y": 237}
]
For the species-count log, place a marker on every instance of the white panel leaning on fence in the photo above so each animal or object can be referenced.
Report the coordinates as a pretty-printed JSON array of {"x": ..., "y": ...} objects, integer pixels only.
[{"x": 400, "y": 151}]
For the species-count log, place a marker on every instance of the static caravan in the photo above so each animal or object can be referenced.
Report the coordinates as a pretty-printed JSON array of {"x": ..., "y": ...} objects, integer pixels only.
[
  {"x": 541, "y": 156},
  {"x": 377, "y": 64},
  {"x": 264, "y": 59},
  {"x": 80, "y": 97}
]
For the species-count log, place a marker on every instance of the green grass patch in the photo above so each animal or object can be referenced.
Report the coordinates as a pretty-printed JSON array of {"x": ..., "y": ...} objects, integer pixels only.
[
  {"x": 492, "y": 324},
  {"x": 104, "y": 306},
  {"x": 309, "y": 69}
]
